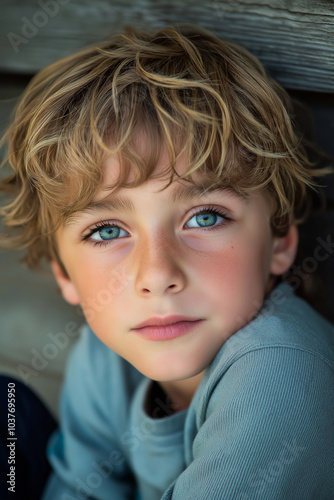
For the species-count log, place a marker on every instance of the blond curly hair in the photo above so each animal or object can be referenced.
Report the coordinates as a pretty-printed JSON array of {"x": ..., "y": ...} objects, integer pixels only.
[{"x": 199, "y": 96}]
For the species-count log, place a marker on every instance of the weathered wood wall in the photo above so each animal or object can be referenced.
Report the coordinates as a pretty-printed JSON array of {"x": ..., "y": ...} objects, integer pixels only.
[{"x": 293, "y": 38}]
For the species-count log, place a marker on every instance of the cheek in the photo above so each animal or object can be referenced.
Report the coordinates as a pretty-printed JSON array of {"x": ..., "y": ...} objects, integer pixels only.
[
  {"x": 98, "y": 292},
  {"x": 226, "y": 267},
  {"x": 233, "y": 278}
]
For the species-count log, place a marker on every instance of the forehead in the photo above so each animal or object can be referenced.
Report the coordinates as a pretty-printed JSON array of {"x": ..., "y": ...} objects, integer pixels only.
[
  {"x": 109, "y": 195},
  {"x": 179, "y": 191},
  {"x": 143, "y": 147}
]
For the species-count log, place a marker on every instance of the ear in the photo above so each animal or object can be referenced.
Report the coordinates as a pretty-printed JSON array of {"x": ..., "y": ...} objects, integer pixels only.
[
  {"x": 284, "y": 251},
  {"x": 65, "y": 284}
]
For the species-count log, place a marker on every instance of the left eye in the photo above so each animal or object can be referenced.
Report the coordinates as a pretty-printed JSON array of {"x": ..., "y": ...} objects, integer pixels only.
[
  {"x": 108, "y": 233},
  {"x": 205, "y": 219}
]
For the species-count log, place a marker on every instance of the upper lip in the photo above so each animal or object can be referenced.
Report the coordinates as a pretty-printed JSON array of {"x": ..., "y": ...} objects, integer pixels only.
[{"x": 168, "y": 320}]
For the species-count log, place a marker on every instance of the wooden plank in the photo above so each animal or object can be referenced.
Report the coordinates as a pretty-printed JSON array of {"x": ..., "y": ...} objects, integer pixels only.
[{"x": 294, "y": 39}]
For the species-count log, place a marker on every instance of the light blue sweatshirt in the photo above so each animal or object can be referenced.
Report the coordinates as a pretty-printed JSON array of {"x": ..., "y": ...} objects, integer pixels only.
[{"x": 260, "y": 426}]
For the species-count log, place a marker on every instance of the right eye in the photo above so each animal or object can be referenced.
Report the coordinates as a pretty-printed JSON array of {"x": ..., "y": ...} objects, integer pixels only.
[{"x": 105, "y": 232}]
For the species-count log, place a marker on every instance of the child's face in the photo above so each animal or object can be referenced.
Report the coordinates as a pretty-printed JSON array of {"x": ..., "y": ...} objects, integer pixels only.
[{"x": 160, "y": 260}]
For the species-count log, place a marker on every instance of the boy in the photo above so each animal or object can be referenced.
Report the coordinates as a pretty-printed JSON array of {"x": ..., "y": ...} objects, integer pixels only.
[{"x": 162, "y": 178}]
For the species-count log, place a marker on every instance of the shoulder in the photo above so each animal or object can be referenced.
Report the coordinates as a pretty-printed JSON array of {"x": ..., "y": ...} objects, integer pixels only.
[
  {"x": 270, "y": 394},
  {"x": 284, "y": 323},
  {"x": 261, "y": 422},
  {"x": 285, "y": 355}
]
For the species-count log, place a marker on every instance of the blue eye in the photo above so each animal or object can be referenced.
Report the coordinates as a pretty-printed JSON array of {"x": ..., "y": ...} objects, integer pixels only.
[
  {"x": 106, "y": 232},
  {"x": 206, "y": 218}
]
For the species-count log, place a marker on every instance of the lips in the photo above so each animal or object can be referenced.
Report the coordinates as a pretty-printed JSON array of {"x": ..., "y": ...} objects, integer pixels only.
[
  {"x": 169, "y": 320},
  {"x": 167, "y": 328}
]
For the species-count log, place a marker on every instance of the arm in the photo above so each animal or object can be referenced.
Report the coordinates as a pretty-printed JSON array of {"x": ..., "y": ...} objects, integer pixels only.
[
  {"x": 267, "y": 431},
  {"x": 85, "y": 453}
]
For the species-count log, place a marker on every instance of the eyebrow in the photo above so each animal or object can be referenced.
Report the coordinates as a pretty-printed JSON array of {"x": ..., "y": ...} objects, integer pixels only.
[{"x": 181, "y": 194}]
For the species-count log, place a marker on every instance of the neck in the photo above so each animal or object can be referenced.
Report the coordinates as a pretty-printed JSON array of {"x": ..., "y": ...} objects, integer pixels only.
[{"x": 181, "y": 392}]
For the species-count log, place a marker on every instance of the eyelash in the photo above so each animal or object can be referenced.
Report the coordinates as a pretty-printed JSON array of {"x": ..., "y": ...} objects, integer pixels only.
[{"x": 204, "y": 210}]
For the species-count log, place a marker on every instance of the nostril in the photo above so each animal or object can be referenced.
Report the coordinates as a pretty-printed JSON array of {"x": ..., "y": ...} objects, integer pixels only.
[{"x": 147, "y": 291}]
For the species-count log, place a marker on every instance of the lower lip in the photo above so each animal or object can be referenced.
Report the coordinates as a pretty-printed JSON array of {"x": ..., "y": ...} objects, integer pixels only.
[{"x": 167, "y": 332}]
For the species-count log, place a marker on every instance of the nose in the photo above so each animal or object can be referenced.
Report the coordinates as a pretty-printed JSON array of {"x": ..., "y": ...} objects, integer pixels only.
[{"x": 159, "y": 269}]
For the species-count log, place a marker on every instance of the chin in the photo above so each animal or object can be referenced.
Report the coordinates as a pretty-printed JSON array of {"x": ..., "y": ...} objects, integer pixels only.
[{"x": 173, "y": 370}]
